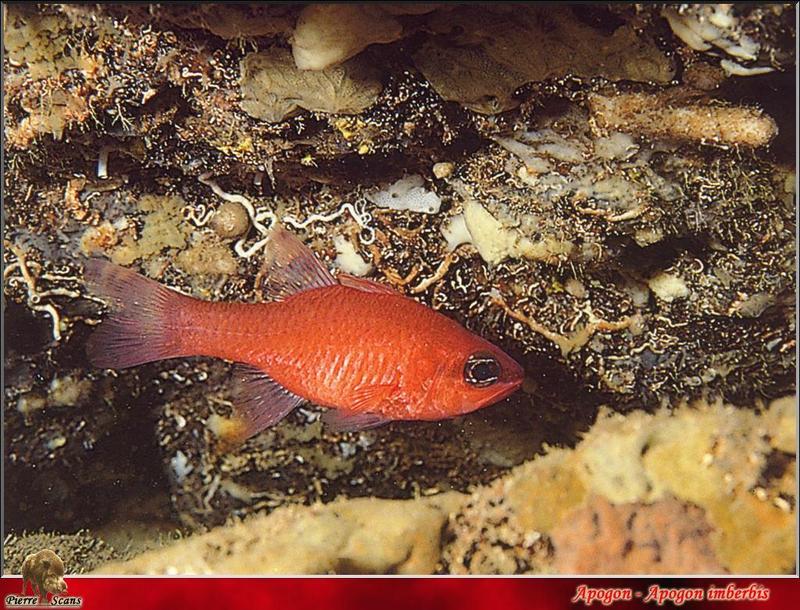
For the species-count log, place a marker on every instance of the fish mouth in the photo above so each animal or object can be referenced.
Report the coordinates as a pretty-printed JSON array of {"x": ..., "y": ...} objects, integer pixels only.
[
  {"x": 503, "y": 389},
  {"x": 511, "y": 382},
  {"x": 515, "y": 374}
]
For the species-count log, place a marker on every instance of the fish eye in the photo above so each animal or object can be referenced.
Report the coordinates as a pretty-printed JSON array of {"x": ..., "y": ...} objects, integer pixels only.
[{"x": 481, "y": 370}]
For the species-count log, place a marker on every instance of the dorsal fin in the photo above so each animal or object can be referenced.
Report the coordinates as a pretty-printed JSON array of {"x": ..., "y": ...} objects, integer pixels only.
[
  {"x": 289, "y": 267},
  {"x": 361, "y": 283}
]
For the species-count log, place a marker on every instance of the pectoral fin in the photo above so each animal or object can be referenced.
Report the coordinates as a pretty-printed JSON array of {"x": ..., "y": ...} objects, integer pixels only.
[
  {"x": 374, "y": 398},
  {"x": 337, "y": 420},
  {"x": 363, "y": 409}
]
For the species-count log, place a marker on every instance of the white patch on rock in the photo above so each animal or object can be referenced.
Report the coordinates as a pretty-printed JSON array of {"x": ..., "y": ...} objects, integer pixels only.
[
  {"x": 733, "y": 69},
  {"x": 56, "y": 443},
  {"x": 443, "y": 170},
  {"x": 180, "y": 466},
  {"x": 616, "y": 145},
  {"x": 712, "y": 24},
  {"x": 456, "y": 233},
  {"x": 407, "y": 194},
  {"x": 30, "y": 402},
  {"x": 68, "y": 391},
  {"x": 347, "y": 258},
  {"x": 668, "y": 287},
  {"x": 495, "y": 239},
  {"x": 533, "y": 147}
]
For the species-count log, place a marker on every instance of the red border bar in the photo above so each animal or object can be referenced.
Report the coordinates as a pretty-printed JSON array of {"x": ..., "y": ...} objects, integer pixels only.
[{"x": 390, "y": 594}]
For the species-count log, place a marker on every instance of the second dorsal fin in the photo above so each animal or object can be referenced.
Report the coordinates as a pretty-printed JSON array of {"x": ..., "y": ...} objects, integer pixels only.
[
  {"x": 365, "y": 285},
  {"x": 289, "y": 267}
]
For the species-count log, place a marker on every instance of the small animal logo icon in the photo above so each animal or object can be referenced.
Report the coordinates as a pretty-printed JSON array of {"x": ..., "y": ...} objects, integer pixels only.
[{"x": 44, "y": 571}]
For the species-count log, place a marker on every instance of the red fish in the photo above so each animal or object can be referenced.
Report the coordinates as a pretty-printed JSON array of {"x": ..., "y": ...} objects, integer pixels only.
[{"x": 356, "y": 346}]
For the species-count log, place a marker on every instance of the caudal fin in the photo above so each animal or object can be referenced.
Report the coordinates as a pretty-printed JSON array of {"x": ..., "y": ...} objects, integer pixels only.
[{"x": 143, "y": 324}]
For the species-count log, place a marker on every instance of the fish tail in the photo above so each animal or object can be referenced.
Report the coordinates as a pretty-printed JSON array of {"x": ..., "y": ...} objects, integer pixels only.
[{"x": 144, "y": 323}]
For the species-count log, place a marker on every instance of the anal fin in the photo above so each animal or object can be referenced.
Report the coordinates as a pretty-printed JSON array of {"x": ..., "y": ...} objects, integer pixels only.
[{"x": 259, "y": 401}]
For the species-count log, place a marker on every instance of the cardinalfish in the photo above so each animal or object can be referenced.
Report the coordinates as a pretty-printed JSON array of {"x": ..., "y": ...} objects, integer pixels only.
[{"x": 358, "y": 347}]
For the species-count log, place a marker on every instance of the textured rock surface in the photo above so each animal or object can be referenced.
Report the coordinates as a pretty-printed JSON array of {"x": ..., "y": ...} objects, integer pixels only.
[
  {"x": 361, "y": 536},
  {"x": 674, "y": 493},
  {"x": 85, "y": 550},
  {"x": 665, "y": 537}
]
